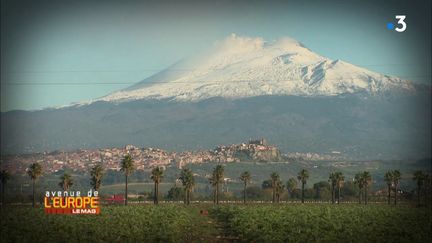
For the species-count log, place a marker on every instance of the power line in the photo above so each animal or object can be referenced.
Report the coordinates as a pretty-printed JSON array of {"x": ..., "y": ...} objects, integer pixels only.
[
  {"x": 184, "y": 82},
  {"x": 84, "y": 71},
  {"x": 171, "y": 69}
]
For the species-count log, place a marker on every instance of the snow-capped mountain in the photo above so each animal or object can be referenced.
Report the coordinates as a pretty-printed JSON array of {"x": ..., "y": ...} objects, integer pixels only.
[
  {"x": 242, "y": 88},
  {"x": 240, "y": 67}
]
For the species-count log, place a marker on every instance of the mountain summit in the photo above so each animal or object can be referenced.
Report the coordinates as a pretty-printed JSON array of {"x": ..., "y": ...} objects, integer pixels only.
[{"x": 240, "y": 67}]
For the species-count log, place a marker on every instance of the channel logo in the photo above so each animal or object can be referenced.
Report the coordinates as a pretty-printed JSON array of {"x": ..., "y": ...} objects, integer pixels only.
[
  {"x": 401, "y": 24},
  {"x": 71, "y": 202}
]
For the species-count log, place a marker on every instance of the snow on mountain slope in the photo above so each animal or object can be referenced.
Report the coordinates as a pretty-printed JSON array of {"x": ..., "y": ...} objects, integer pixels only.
[{"x": 244, "y": 67}]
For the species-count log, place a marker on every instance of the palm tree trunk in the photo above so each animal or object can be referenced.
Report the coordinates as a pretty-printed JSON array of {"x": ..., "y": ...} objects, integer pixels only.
[
  {"x": 388, "y": 196},
  {"x": 273, "y": 195},
  {"x": 156, "y": 193},
  {"x": 3, "y": 194},
  {"x": 217, "y": 193},
  {"x": 244, "y": 193},
  {"x": 333, "y": 194},
  {"x": 360, "y": 195},
  {"x": 188, "y": 196},
  {"x": 418, "y": 195},
  {"x": 34, "y": 194},
  {"x": 303, "y": 184},
  {"x": 126, "y": 189},
  {"x": 214, "y": 195},
  {"x": 366, "y": 195},
  {"x": 395, "y": 195},
  {"x": 339, "y": 190}
]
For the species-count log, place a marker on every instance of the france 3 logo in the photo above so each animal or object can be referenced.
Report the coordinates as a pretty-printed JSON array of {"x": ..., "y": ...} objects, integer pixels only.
[{"x": 401, "y": 24}]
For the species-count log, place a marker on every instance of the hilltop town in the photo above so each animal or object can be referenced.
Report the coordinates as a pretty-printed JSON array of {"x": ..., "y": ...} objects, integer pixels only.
[{"x": 148, "y": 158}]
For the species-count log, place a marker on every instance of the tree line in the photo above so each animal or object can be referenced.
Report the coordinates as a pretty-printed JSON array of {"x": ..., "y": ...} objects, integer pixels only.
[{"x": 336, "y": 180}]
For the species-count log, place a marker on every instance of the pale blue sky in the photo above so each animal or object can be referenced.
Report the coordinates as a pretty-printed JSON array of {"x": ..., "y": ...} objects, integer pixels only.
[{"x": 58, "y": 48}]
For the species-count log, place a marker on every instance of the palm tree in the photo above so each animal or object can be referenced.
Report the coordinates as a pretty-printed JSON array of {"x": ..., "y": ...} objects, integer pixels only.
[
  {"x": 4, "y": 177},
  {"x": 358, "y": 180},
  {"x": 214, "y": 183},
  {"x": 34, "y": 171},
  {"x": 127, "y": 166},
  {"x": 188, "y": 181},
  {"x": 279, "y": 189},
  {"x": 428, "y": 187},
  {"x": 333, "y": 181},
  {"x": 302, "y": 176},
  {"x": 245, "y": 177},
  {"x": 396, "y": 179},
  {"x": 156, "y": 176},
  {"x": 96, "y": 174},
  {"x": 216, "y": 180},
  {"x": 274, "y": 179},
  {"x": 66, "y": 181},
  {"x": 367, "y": 180},
  {"x": 420, "y": 178},
  {"x": 388, "y": 178},
  {"x": 339, "y": 183},
  {"x": 291, "y": 186}
]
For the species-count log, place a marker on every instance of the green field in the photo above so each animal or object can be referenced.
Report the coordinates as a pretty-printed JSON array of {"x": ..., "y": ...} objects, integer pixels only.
[
  {"x": 326, "y": 223},
  {"x": 165, "y": 223},
  {"x": 250, "y": 223}
]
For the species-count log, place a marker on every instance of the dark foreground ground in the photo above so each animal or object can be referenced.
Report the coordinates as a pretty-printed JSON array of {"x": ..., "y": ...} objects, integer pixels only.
[{"x": 226, "y": 223}]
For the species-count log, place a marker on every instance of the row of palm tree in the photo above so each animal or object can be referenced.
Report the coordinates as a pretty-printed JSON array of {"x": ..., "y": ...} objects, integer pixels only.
[
  {"x": 128, "y": 166},
  {"x": 66, "y": 181},
  {"x": 421, "y": 179},
  {"x": 215, "y": 180},
  {"x": 392, "y": 179},
  {"x": 188, "y": 182},
  {"x": 363, "y": 180},
  {"x": 277, "y": 187},
  {"x": 336, "y": 179}
]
